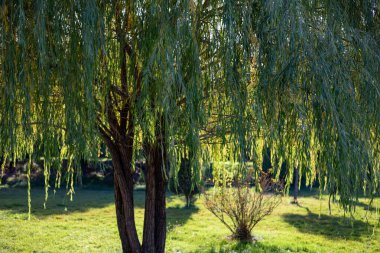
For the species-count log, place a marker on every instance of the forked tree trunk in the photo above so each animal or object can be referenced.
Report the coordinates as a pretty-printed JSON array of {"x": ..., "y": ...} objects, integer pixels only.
[{"x": 154, "y": 233}]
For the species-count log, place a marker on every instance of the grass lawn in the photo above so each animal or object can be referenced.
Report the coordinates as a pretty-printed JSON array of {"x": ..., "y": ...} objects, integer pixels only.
[{"x": 88, "y": 224}]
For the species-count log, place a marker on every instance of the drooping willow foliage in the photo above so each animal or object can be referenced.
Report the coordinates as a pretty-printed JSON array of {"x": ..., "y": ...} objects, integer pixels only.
[
  {"x": 301, "y": 77},
  {"x": 229, "y": 50},
  {"x": 73, "y": 68},
  {"x": 319, "y": 90},
  {"x": 46, "y": 80},
  {"x": 171, "y": 95}
]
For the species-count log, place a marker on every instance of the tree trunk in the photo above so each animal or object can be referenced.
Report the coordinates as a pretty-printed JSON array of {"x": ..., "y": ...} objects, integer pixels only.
[
  {"x": 120, "y": 217},
  {"x": 295, "y": 188},
  {"x": 160, "y": 222},
  {"x": 154, "y": 232},
  {"x": 124, "y": 203},
  {"x": 154, "y": 235},
  {"x": 155, "y": 224},
  {"x": 150, "y": 200}
]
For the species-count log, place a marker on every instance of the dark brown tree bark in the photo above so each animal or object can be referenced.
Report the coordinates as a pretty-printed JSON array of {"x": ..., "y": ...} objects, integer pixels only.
[
  {"x": 154, "y": 232},
  {"x": 160, "y": 220},
  {"x": 124, "y": 203},
  {"x": 118, "y": 135},
  {"x": 155, "y": 203},
  {"x": 150, "y": 200},
  {"x": 154, "y": 235},
  {"x": 120, "y": 147},
  {"x": 120, "y": 217}
]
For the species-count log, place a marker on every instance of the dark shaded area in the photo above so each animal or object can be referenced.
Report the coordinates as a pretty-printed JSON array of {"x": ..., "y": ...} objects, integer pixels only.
[
  {"x": 364, "y": 206},
  {"x": 256, "y": 247},
  {"x": 179, "y": 215},
  {"x": 15, "y": 201},
  {"x": 88, "y": 174},
  {"x": 267, "y": 166},
  {"x": 332, "y": 227}
]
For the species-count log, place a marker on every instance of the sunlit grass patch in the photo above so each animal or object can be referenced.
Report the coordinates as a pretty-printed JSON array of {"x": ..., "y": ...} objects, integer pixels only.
[{"x": 88, "y": 224}]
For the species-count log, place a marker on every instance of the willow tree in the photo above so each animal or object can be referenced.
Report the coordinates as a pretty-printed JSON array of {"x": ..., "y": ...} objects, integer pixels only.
[
  {"x": 302, "y": 76},
  {"x": 74, "y": 73}
]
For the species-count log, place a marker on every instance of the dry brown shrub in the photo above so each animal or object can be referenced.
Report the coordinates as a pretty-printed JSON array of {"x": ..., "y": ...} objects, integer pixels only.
[{"x": 240, "y": 207}]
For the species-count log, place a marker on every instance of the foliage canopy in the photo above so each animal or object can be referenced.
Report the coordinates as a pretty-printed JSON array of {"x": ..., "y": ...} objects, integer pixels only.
[{"x": 220, "y": 78}]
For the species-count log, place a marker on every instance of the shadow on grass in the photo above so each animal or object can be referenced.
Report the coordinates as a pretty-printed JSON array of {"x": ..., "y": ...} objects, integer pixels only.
[
  {"x": 14, "y": 201},
  {"x": 332, "y": 227},
  {"x": 366, "y": 207},
  {"x": 178, "y": 215},
  {"x": 258, "y": 247}
]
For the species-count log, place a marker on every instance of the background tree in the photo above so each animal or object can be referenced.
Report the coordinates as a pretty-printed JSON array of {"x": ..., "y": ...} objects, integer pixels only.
[
  {"x": 296, "y": 184},
  {"x": 185, "y": 183}
]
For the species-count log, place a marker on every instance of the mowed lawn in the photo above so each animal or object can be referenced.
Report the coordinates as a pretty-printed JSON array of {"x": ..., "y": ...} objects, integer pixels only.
[{"x": 88, "y": 225}]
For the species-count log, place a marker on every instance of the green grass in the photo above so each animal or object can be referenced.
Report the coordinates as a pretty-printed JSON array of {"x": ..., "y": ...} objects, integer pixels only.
[{"x": 88, "y": 225}]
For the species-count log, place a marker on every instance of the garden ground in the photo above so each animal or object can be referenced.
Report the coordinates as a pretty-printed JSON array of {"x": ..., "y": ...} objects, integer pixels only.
[{"x": 88, "y": 224}]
